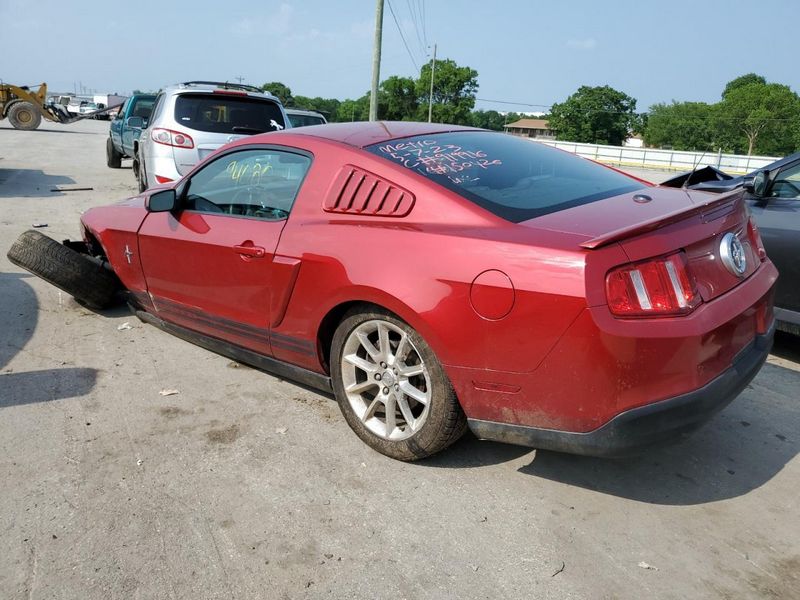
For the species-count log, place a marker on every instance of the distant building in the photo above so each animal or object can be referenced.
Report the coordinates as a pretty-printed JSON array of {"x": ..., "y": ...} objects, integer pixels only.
[
  {"x": 635, "y": 141},
  {"x": 532, "y": 128}
]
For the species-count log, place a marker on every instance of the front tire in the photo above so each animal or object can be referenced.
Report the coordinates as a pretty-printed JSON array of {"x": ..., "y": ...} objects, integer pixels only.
[
  {"x": 113, "y": 158},
  {"x": 23, "y": 115},
  {"x": 75, "y": 273},
  {"x": 391, "y": 388}
]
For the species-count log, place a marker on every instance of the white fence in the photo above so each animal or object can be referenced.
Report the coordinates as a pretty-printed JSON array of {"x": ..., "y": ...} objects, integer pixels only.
[{"x": 663, "y": 159}]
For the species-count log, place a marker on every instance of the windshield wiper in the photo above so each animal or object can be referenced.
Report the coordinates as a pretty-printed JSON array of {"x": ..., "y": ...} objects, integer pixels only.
[{"x": 247, "y": 130}]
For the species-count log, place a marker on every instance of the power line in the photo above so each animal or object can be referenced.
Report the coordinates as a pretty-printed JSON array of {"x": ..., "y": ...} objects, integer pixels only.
[
  {"x": 402, "y": 37},
  {"x": 415, "y": 23}
]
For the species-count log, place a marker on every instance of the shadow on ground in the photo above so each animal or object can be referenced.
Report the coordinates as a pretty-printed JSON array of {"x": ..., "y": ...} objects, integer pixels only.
[
  {"x": 739, "y": 450},
  {"x": 18, "y": 321},
  {"x": 31, "y": 183}
]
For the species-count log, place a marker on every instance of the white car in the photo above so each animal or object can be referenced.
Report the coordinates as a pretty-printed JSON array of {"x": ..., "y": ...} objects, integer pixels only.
[{"x": 191, "y": 120}]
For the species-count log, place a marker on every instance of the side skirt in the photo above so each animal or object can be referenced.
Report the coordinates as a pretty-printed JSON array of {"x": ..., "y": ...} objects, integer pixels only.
[{"x": 279, "y": 368}]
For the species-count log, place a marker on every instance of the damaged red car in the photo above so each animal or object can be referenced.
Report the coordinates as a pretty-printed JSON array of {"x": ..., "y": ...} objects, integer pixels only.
[{"x": 437, "y": 278}]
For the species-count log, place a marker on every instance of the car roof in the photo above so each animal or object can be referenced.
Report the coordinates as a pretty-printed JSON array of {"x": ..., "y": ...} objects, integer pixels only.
[
  {"x": 210, "y": 86},
  {"x": 365, "y": 133}
]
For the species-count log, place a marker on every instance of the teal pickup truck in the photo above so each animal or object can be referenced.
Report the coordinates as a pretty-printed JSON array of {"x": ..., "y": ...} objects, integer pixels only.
[{"x": 121, "y": 135}]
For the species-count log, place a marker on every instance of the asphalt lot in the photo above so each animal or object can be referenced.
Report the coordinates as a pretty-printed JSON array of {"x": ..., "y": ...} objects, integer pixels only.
[{"x": 242, "y": 485}]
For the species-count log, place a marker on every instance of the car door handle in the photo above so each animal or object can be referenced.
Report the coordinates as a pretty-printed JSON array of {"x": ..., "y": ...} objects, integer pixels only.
[{"x": 250, "y": 250}]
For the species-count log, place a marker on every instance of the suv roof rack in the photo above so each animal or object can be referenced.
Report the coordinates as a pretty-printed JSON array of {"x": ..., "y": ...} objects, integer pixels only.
[{"x": 226, "y": 85}]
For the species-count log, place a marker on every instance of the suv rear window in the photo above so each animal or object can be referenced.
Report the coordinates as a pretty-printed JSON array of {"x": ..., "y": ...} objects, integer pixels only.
[
  {"x": 221, "y": 113},
  {"x": 514, "y": 178}
]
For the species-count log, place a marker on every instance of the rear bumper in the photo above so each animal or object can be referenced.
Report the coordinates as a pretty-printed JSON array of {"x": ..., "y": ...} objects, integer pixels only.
[{"x": 634, "y": 430}]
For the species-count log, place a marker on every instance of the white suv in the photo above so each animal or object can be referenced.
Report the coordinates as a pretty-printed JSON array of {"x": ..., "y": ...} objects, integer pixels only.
[{"x": 191, "y": 120}]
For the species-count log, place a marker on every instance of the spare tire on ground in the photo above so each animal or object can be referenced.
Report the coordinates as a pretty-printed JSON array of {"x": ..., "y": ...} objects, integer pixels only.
[{"x": 81, "y": 276}]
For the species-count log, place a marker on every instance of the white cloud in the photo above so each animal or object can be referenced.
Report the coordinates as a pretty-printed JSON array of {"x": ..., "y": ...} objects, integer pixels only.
[{"x": 584, "y": 44}]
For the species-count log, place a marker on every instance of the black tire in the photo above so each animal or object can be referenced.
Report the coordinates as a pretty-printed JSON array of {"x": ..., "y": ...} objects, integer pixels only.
[
  {"x": 113, "y": 158},
  {"x": 77, "y": 274},
  {"x": 442, "y": 422},
  {"x": 23, "y": 115},
  {"x": 141, "y": 176}
]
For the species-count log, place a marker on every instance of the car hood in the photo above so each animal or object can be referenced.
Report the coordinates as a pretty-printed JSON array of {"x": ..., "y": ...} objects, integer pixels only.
[{"x": 626, "y": 215}]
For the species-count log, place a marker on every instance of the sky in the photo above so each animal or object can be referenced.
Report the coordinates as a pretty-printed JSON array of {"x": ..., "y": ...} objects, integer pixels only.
[{"x": 528, "y": 54}]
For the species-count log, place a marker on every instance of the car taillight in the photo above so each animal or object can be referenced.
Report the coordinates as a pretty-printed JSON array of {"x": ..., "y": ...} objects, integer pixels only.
[
  {"x": 171, "y": 138},
  {"x": 162, "y": 179},
  {"x": 755, "y": 239},
  {"x": 656, "y": 287}
]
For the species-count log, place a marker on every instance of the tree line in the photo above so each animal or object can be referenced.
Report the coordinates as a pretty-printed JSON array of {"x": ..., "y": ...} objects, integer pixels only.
[
  {"x": 406, "y": 99},
  {"x": 752, "y": 116}
]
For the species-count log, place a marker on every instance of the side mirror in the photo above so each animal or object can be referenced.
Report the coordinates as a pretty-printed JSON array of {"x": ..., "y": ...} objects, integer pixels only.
[
  {"x": 757, "y": 184},
  {"x": 163, "y": 201},
  {"x": 135, "y": 122}
]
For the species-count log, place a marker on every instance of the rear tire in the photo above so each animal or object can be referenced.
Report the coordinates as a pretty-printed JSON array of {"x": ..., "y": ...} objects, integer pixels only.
[
  {"x": 75, "y": 273},
  {"x": 141, "y": 176},
  {"x": 23, "y": 115},
  {"x": 391, "y": 388},
  {"x": 113, "y": 158}
]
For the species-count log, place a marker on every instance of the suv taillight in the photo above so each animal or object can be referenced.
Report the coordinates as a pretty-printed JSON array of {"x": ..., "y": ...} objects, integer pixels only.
[
  {"x": 656, "y": 287},
  {"x": 171, "y": 138}
]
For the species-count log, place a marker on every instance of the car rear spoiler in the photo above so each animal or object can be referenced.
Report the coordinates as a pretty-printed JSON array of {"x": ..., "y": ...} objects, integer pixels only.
[{"x": 714, "y": 208}]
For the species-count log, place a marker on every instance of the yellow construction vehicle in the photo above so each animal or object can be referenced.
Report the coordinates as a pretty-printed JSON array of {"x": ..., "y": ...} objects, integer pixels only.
[{"x": 25, "y": 108}]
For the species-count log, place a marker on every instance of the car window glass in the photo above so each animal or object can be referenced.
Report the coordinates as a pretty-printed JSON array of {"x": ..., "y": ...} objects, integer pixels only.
[
  {"x": 142, "y": 108},
  {"x": 515, "y": 179},
  {"x": 787, "y": 183},
  {"x": 121, "y": 112},
  {"x": 260, "y": 184},
  {"x": 227, "y": 113}
]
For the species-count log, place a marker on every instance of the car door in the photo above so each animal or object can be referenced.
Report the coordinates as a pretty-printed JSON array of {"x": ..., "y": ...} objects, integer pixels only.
[
  {"x": 209, "y": 265},
  {"x": 777, "y": 215},
  {"x": 115, "y": 129}
]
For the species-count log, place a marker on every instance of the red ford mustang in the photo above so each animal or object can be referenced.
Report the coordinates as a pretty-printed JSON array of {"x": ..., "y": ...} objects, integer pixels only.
[{"x": 439, "y": 277}]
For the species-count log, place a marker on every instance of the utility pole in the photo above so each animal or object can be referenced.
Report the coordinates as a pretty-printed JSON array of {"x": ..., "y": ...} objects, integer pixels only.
[
  {"x": 240, "y": 79},
  {"x": 433, "y": 72},
  {"x": 376, "y": 62}
]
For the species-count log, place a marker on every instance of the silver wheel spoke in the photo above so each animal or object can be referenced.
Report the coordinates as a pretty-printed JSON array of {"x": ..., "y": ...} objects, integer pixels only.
[
  {"x": 391, "y": 417},
  {"x": 371, "y": 350},
  {"x": 357, "y": 388},
  {"x": 405, "y": 409},
  {"x": 402, "y": 349},
  {"x": 410, "y": 390},
  {"x": 362, "y": 364},
  {"x": 383, "y": 340},
  {"x": 370, "y": 412},
  {"x": 406, "y": 371}
]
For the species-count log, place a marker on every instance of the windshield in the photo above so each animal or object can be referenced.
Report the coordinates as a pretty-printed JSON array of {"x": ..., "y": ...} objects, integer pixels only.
[
  {"x": 299, "y": 120},
  {"x": 514, "y": 178},
  {"x": 221, "y": 113}
]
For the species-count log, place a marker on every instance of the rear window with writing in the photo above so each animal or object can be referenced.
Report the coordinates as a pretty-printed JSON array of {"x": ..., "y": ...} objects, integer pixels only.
[{"x": 515, "y": 179}]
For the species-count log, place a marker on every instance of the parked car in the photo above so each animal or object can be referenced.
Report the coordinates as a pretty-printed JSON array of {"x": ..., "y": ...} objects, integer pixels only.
[
  {"x": 191, "y": 120},
  {"x": 304, "y": 118},
  {"x": 773, "y": 197},
  {"x": 122, "y": 135},
  {"x": 437, "y": 277}
]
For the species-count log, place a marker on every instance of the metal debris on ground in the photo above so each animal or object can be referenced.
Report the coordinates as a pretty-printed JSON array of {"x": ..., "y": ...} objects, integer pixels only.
[
  {"x": 38, "y": 225},
  {"x": 561, "y": 570},
  {"x": 77, "y": 189},
  {"x": 282, "y": 430},
  {"x": 644, "y": 565},
  {"x": 124, "y": 327},
  {"x": 169, "y": 392}
]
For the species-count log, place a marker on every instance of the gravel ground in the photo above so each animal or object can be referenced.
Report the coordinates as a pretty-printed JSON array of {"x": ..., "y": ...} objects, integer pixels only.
[{"x": 242, "y": 485}]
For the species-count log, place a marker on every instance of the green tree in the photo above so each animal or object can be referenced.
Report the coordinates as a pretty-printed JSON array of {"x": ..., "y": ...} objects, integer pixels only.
[
  {"x": 454, "y": 91},
  {"x": 397, "y": 99},
  {"x": 681, "y": 126},
  {"x": 595, "y": 115},
  {"x": 327, "y": 106},
  {"x": 742, "y": 81},
  {"x": 491, "y": 119},
  {"x": 282, "y": 91},
  {"x": 352, "y": 110},
  {"x": 758, "y": 118}
]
